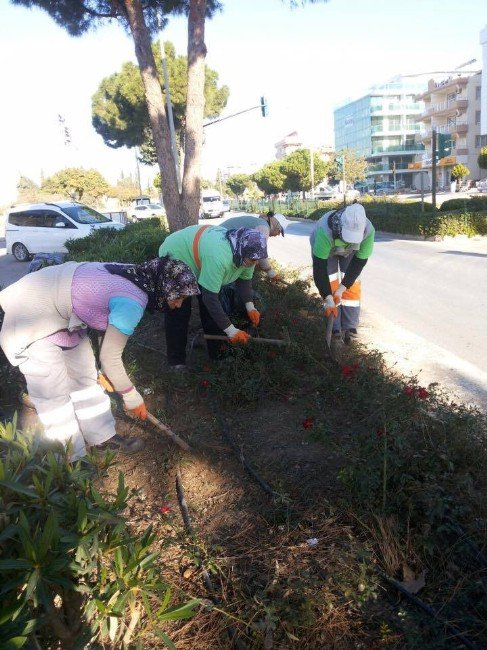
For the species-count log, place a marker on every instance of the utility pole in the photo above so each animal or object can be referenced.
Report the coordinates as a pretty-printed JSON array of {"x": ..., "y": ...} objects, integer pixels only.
[
  {"x": 344, "y": 182},
  {"x": 433, "y": 168},
  {"x": 138, "y": 170},
  {"x": 394, "y": 174}
]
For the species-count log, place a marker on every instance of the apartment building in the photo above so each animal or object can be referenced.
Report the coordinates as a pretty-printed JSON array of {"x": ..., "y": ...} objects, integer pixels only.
[
  {"x": 452, "y": 107},
  {"x": 382, "y": 126},
  {"x": 290, "y": 143}
]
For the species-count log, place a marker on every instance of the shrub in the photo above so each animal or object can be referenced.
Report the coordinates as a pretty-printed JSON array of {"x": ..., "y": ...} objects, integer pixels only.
[
  {"x": 70, "y": 569},
  {"x": 473, "y": 204},
  {"x": 136, "y": 243}
]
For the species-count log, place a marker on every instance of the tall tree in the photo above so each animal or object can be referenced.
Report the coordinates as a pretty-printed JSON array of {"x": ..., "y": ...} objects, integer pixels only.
[
  {"x": 27, "y": 190},
  {"x": 238, "y": 183},
  {"x": 355, "y": 166},
  {"x": 119, "y": 110},
  {"x": 270, "y": 178},
  {"x": 77, "y": 183},
  {"x": 297, "y": 170},
  {"x": 143, "y": 18}
]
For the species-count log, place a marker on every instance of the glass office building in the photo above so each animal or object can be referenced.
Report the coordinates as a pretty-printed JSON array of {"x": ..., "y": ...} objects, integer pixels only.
[{"x": 382, "y": 126}]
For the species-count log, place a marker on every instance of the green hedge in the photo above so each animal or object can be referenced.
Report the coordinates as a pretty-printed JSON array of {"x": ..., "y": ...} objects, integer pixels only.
[
  {"x": 472, "y": 204},
  {"x": 411, "y": 221},
  {"x": 137, "y": 242}
]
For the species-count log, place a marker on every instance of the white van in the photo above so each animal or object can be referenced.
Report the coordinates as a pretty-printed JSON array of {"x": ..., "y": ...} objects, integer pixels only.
[
  {"x": 45, "y": 227},
  {"x": 211, "y": 205}
]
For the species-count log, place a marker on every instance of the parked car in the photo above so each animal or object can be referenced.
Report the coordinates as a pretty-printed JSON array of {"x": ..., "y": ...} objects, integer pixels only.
[
  {"x": 211, "y": 205},
  {"x": 146, "y": 211},
  {"x": 45, "y": 227},
  {"x": 384, "y": 187},
  {"x": 326, "y": 192}
]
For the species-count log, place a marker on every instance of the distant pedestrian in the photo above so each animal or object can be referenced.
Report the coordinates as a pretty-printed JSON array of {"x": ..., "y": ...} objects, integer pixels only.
[{"x": 341, "y": 243}]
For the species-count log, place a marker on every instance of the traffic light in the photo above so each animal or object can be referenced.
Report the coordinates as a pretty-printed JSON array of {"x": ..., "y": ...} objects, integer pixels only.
[
  {"x": 444, "y": 145},
  {"x": 339, "y": 164},
  {"x": 264, "y": 108}
]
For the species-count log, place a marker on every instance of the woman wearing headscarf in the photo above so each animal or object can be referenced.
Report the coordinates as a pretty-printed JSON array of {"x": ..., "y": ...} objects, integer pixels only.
[
  {"x": 217, "y": 257},
  {"x": 44, "y": 333}
]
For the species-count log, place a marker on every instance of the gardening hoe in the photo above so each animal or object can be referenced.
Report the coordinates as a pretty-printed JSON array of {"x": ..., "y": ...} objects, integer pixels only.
[
  {"x": 256, "y": 339},
  {"x": 328, "y": 334},
  {"x": 162, "y": 427},
  {"x": 106, "y": 384}
]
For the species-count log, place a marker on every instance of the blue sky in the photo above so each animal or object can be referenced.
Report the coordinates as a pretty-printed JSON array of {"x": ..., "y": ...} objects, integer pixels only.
[{"x": 306, "y": 61}]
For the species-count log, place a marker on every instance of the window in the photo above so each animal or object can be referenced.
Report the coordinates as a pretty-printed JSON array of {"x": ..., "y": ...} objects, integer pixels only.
[
  {"x": 84, "y": 214},
  {"x": 26, "y": 219},
  {"x": 481, "y": 141},
  {"x": 51, "y": 218},
  {"x": 477, "y": 117},
  {"x": 478, "y": 92}
]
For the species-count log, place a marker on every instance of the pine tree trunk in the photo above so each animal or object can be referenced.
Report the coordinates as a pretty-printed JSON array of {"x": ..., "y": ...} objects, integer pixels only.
[
  {"x": 195, "y": 107},
  {"x": 176, "y": 216}
]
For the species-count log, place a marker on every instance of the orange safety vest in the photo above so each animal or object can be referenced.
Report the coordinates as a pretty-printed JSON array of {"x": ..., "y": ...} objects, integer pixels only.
[{"x": 196, "y": 241}]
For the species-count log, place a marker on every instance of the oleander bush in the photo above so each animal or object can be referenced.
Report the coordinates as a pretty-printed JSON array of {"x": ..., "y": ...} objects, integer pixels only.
[
  {"x": 71, "y": 572},
  {"x": 137, "y": 242}
]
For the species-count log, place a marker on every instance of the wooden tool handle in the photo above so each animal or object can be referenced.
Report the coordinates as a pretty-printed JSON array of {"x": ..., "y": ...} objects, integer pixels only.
[
  {"x": 176, "y": 439},
  {"x": 254, "y": 339}
]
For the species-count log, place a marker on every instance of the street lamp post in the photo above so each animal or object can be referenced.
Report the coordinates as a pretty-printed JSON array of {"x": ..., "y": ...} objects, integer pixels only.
[{"x": 433, "y": 168}]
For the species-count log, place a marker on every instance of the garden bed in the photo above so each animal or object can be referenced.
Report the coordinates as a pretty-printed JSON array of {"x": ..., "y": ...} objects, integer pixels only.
[{"x": 358, "y": 473}]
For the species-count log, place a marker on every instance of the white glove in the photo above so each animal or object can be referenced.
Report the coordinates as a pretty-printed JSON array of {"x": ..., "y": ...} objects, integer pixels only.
[
  {"x": 230, "y": 331},
  {"x": 271, "y": 273},
  {"x": 330, "y": 307},
  {"x": 338, "y": 292},
  {"x": 132, "y": 399}
]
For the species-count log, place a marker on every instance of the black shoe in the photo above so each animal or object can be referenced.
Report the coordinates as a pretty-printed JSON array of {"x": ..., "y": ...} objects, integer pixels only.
[
  {"x": 350, "y": 335},
  {"x": 124, "y": 445}
]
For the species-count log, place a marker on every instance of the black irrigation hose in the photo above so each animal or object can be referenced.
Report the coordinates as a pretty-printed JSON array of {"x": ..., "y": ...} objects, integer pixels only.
[
  {"x": 426, "y": 608},
  {"x": 183, "y": 506},
  {"x": 238, "y": 452}
]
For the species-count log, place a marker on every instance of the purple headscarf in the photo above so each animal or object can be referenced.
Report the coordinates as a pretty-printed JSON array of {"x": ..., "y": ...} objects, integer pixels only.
[
  {"x": 247, "y": 243},
  {"x": 162, "y": 279}
]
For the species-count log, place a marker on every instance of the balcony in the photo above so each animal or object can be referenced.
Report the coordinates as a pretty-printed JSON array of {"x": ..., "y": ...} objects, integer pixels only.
[
  {"x": 460, "y": 128},
  {"x": 451, "y": 107},
  {"x": 410, "y": 148}
]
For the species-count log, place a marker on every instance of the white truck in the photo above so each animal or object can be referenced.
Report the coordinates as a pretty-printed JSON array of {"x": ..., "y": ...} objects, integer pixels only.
[{"x": 211, "y": 205}]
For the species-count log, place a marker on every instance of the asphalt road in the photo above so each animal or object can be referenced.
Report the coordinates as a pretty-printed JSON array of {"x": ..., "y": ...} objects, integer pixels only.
[{"x": 424, "y": 304}]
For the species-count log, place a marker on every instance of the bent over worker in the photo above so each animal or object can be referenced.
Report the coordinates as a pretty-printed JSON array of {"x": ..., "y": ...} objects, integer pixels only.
[
  {"x": 269, "y": 224},
  {"x": 44, "y": 333},
  {"x": 217, "y": 257},
  {"x": 341, "y": 243}
]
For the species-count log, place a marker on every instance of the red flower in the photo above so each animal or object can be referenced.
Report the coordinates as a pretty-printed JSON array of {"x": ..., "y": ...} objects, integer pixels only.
[
  {"x": 380, "y": 433},
  {"x": 410, "y": 391},
  {"x": 165, "y": 510},
  {"x": 308, "y": 423},
  {"x": 205, "y": 383},
  {"x": 423, "y": 393},
  {"x": 348, "y": 372}
]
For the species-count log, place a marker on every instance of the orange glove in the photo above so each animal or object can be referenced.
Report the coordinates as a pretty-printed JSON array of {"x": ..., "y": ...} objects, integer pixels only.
[
  {"x": 105, "y": 383},
  {"x": 254, "y": 317},
  {"x": 134, "y": 403},
  {"x": 330, "y": 307},
  {"x": 240, "y": 337}
]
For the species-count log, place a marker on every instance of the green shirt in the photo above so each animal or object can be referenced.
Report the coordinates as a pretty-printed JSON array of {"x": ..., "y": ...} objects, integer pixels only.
[
  {"x": 322, "y": 242},
  {"x": 244, "y": 221},
  {"x": 215, "y": 252}
]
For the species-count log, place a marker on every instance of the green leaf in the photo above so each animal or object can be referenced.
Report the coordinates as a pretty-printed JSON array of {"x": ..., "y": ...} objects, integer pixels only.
[
  {"x": 14, "y": 643},
  {"x": 14, "y": 564},
  {"x": 48, "y": 534},
  {"x": 187, "y": 610},
  {"x": 20, "y": 489},
  {"x": 166, "y": 639}
]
